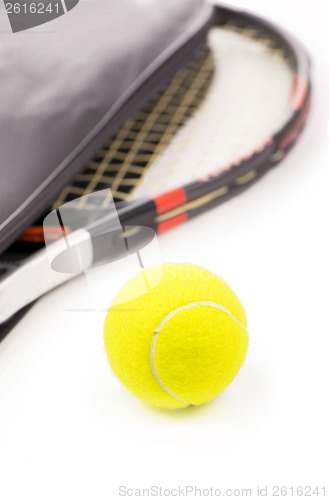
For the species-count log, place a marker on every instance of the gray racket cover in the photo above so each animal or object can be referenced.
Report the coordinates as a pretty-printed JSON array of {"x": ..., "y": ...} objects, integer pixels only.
[{"x": 67, "y": 85}]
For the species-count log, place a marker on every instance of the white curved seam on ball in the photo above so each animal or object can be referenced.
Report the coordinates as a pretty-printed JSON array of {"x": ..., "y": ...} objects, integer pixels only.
[
  {"x": 156, "y": 375},
  {"x": 168, "y": 318},
  {"x": 208, "y": 303}
]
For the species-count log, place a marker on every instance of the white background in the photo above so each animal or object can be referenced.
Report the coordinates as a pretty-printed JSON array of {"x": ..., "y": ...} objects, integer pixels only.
[{"x": 70, "y": 431}]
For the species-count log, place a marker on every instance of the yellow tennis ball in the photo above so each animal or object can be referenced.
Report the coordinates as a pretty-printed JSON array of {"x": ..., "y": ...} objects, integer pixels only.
[{"x": 182, "y": 342}]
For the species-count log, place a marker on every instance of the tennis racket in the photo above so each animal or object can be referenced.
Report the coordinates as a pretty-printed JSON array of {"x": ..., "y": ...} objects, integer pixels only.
[{"x": 223, "y": 121}]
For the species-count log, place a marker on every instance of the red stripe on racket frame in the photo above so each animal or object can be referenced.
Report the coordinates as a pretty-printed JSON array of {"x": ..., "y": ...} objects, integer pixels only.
[
  {"x": 173, "y": 222},
  {"x": 168, "y": 201}
]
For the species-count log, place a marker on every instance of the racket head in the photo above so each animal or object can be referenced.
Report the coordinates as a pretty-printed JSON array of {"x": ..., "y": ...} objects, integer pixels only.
[
  {"x": 222, "y": 123},
  {"x": 130, "y": 160}
]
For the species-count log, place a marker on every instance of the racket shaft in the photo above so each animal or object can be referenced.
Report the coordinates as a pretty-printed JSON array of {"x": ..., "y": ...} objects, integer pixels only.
[{"x": 33, "y": 278}]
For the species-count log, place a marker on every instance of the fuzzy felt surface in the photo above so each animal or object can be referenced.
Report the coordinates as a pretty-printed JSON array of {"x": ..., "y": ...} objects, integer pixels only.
[{"x": 195, "y": 354}]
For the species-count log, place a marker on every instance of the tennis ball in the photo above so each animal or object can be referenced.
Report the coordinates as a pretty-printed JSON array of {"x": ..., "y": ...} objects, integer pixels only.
[{"x": 182, "y": 342}]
